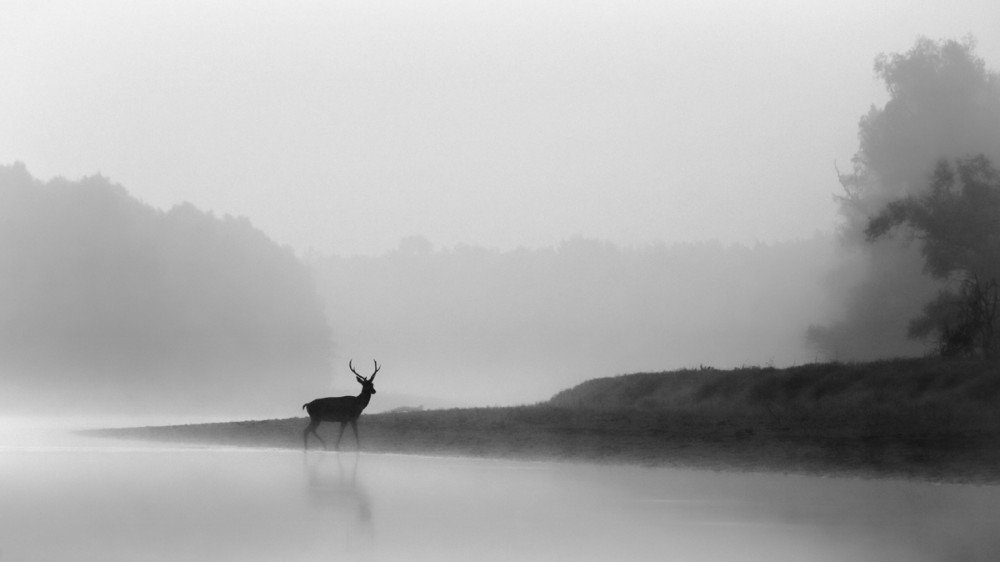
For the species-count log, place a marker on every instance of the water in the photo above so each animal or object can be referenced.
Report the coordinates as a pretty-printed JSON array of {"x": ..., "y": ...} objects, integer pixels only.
[{"x": 106, "y": 500}]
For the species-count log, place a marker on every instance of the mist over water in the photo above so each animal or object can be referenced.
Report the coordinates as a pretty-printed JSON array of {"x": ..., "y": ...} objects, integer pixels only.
[
  {"x": 83, "y": 499},
  {"x": 344, "y": 126}
]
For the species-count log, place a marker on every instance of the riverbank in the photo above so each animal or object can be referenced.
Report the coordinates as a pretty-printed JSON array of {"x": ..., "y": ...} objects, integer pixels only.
[
  {"x": 545, "y": 433},
  {"x": 917, "y": 419}
]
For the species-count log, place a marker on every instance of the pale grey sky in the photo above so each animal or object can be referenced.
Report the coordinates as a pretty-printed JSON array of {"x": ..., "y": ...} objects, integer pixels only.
[{"x": 342, "y": 127}]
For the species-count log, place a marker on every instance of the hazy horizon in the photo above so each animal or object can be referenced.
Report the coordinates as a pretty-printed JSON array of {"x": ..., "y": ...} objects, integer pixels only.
[
  {"x": 496, "y": 200},
  {"x": 114, "y": 306},
  {"x": 238, "y": 212}
]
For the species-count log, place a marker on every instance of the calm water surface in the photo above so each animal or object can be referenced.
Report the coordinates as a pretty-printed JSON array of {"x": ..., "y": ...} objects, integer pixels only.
[{"x": 102, "y": 500}]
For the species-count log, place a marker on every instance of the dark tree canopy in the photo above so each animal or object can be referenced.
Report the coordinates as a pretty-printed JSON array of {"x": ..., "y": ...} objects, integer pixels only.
[
  {"x": 957, "y": 222},
  {"x": 944, "y": 103}
]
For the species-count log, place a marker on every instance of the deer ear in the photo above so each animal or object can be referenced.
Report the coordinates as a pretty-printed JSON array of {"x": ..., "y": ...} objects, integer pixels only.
[{"x": 360, "y": 380}]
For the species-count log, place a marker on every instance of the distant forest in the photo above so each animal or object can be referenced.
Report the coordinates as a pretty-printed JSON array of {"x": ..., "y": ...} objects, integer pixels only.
[
  {"x": 496, "y": 326},
  {"x": 110, "y": 301},
  {"x": 106, "y": 302}
]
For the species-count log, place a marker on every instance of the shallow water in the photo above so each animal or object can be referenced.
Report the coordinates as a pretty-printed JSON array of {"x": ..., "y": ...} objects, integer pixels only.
[{"x": 92, "y": 499}]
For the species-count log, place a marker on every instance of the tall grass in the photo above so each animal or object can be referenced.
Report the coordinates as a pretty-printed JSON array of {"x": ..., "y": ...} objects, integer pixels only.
[{"x": 935, "y": 394}]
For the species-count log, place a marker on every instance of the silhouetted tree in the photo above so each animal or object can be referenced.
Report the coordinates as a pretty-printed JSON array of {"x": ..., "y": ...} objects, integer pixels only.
[
  {"x": 943, "y": 104},
  {"x": 958, "y": 224}
]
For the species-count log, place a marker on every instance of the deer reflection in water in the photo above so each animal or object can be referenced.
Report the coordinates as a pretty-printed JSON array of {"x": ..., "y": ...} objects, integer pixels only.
[{"x": 333, "y": 488}]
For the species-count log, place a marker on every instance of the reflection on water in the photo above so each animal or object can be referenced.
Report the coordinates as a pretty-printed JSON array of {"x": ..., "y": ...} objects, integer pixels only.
[
  {"x": 110, "y": 501},
  {"x": 333, "y": 488}
]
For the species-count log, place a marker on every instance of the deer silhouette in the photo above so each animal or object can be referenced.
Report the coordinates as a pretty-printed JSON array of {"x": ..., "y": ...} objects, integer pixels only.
[{"x": 342, "y": 409}]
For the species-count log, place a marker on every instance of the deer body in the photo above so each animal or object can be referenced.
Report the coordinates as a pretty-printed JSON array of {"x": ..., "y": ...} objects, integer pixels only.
[{"x": 341, "y": 409}]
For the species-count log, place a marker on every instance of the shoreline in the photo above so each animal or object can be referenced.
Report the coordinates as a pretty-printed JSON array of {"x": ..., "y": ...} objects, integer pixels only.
[
  {"x": 964, "y": 459},
  {"x": 929, "y": 419},
  {"x": 844, "y": 475}
]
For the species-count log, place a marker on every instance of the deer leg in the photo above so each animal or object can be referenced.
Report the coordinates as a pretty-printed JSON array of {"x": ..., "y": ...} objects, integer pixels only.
[
  {"x": 343, "y": 426},
  {"x": 311, "y": 428},
  {"x": 316, "y": 433},
  {"x": 354, "y": 426}
]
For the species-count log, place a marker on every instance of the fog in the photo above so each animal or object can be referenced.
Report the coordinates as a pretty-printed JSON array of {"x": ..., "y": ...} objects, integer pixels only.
[
  {"x": 944, "y": 103},
  {"x": 208, "y": 209},
  {"x": 346, "y": 126},
  {"x": 495, "y": 201},
  {"x": 110, "y": 306},
  {"x": 470, "y": 325}
]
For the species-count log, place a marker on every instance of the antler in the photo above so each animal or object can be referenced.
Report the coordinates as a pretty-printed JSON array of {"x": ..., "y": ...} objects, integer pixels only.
[{"x": 370, "y": 377}]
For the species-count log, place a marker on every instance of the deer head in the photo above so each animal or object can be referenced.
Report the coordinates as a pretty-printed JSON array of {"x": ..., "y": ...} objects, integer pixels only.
[{"x": 367, "y": 384}]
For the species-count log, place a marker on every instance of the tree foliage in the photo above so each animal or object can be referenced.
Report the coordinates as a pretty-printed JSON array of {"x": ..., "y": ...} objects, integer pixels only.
[
  {"x": 944, "y": 103},
  {"x": 102, "y": 295},
  {"x": 957, "y": 222}
]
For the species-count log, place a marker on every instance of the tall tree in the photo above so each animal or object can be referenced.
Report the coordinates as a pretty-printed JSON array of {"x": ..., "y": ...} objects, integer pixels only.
[
  {"x": 943, "y": 104},
  {"x": 957, "y": 222}
]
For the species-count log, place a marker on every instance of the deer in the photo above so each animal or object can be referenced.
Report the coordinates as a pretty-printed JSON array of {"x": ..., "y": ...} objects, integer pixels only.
[{"x": 343, "y": 409}]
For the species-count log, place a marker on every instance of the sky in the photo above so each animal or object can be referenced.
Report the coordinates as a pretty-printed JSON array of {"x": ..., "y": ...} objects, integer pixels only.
[{"x": 343, "y": 127}]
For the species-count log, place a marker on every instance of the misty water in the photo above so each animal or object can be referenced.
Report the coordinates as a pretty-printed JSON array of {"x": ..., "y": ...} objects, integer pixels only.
[{"x": 76, "y": 498}]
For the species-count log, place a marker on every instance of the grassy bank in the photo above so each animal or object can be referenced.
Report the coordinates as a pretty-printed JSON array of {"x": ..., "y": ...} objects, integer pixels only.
[{"x": 926, "y": 419}]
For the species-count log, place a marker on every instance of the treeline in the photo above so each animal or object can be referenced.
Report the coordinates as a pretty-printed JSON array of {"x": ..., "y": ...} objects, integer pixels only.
[
  {"x": 496, "y": 327},
  {"x": 118, "y": 301}
]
